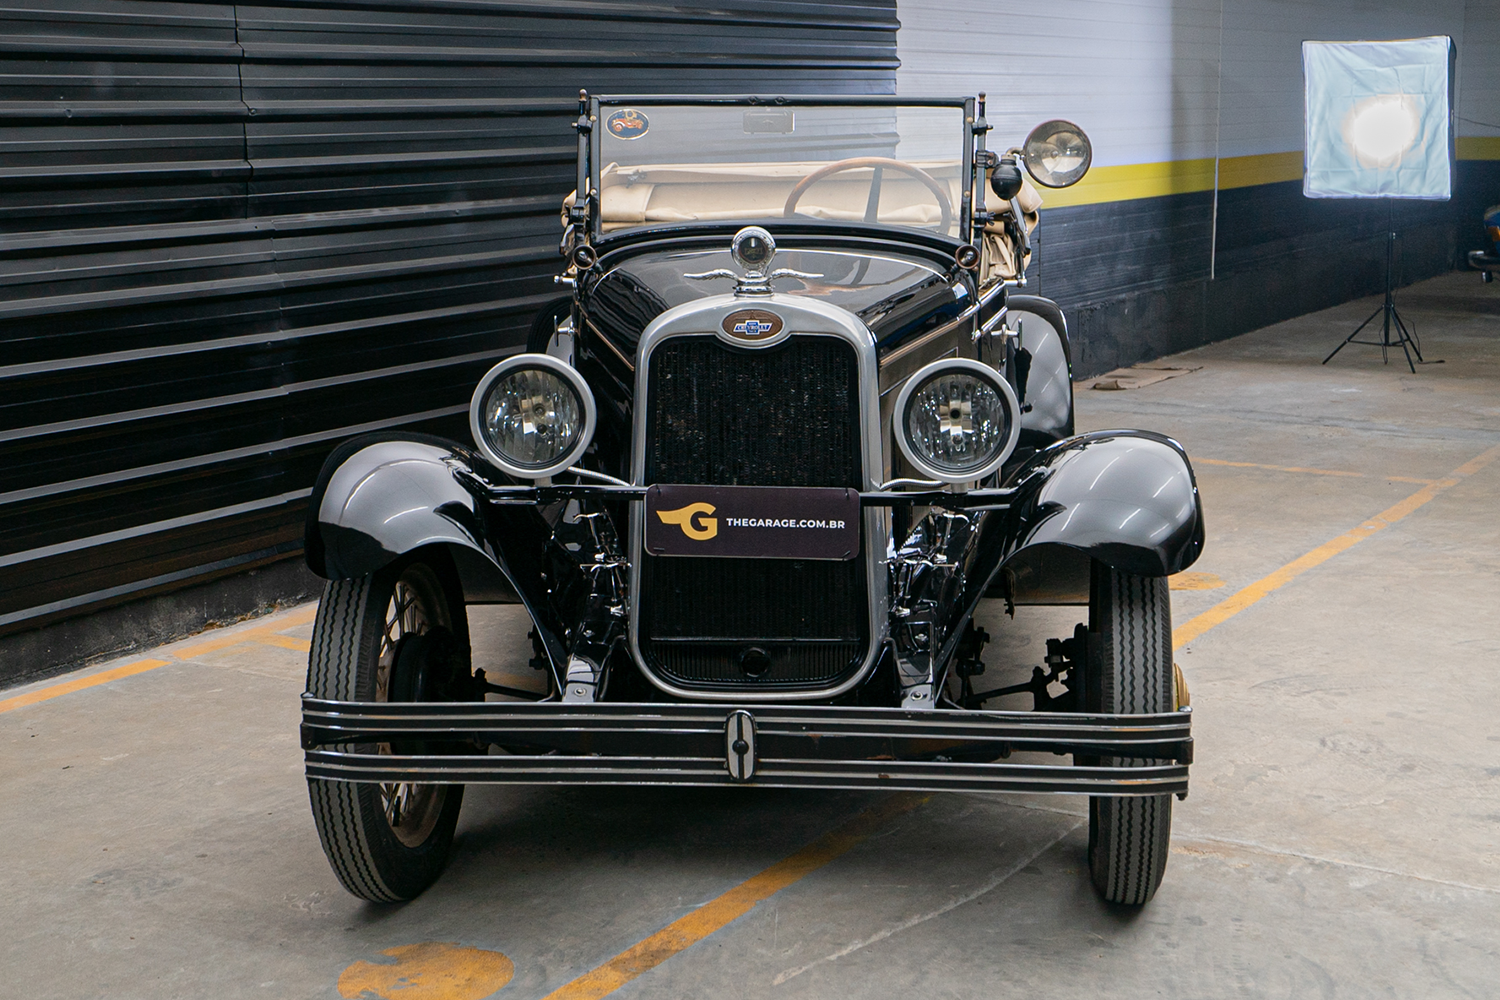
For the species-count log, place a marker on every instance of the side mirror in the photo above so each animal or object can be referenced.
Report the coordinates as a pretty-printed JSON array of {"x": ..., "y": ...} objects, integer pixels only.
[
  {"x": 1057, "y": 154},
  {"x": 1006, "y": 179}
]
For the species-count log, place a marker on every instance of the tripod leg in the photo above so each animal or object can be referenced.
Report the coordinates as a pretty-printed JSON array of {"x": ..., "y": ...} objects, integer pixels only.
[
  {"x": 1405, "y": 339},
  {"x": 1390, "y": 305},
  {"x": 1353, "y": 335}
]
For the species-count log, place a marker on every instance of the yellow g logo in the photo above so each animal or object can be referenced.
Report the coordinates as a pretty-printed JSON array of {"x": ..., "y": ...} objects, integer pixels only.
[{"x": 683, "y": 518}]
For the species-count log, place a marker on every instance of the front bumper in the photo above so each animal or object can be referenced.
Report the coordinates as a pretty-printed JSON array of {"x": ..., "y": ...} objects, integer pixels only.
[{"x": 776, "y": 746}]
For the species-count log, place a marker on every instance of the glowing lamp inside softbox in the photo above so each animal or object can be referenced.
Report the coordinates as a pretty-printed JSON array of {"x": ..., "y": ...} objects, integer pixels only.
[{"x": 1379, "y": 119}]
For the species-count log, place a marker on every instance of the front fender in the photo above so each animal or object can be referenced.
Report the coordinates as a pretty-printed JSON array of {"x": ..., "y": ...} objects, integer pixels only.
[
  {"x": 378, "y": 498},
  {"x": 1125, "y": 498}
]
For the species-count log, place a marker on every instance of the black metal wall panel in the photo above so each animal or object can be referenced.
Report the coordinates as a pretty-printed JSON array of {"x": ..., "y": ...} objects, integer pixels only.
[{"x": 233, "y": 235}]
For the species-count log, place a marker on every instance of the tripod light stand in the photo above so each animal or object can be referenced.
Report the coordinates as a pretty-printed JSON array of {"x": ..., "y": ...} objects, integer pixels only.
[
  {"x": 1393, "y": 320},
  {"x": 1379, "y": 119}
]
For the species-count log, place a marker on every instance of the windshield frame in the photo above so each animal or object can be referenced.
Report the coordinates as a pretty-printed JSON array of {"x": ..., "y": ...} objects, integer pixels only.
[{"x": 588, "y": 218}]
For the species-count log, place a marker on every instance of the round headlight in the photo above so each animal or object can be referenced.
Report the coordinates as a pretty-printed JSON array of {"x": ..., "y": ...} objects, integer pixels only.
[
  {"x": 956, "y": 420},
  {"x": 532, "y": 415},
  {"x": 1057, "y": 154}
]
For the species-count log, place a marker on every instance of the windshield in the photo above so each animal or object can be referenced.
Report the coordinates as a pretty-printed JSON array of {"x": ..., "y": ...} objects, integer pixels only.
[{"x": 892, "y": 164}]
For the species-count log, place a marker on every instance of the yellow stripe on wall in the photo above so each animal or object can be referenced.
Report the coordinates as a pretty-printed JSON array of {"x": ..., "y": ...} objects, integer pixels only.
[
  {"x": 1265, "y": 168},
  {"x": 1134, "y": 180},
  {"x": 1478, "y": 147},
  {"x": 1154, "y": 180}
]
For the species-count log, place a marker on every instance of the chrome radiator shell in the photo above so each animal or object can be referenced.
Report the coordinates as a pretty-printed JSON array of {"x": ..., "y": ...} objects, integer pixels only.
[{"x": 802, "y": 317}]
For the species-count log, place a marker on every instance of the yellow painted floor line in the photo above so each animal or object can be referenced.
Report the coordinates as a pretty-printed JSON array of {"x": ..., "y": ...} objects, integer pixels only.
[
  {"x": 1315, "y": 472},
  {"x": 79, "y": 683},
  {"x": 285, "y": 642},
  {"x": 224, "y": 641},
  {"x": 266, "y": 635},
  {"x": 708, "y": 918},
  {"x": 1239, "y": 601}
]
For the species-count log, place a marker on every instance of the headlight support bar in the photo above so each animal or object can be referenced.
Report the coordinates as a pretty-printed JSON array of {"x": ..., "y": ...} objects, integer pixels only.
[{"x": 971, "y": 500}]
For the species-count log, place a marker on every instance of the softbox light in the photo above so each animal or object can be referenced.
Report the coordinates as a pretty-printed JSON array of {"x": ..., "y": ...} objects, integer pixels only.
[{"x": 1379, "y": 119}]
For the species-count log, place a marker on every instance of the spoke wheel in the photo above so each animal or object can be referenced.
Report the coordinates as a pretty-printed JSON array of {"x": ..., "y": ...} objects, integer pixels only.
[
  {"x": 1131, "y": 618},
  {"x": 416, "y": 603},
  {"x": 396, "y": 635}
]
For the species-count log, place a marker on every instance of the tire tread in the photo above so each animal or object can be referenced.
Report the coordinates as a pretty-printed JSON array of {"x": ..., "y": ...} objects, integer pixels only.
[
  {"x": 1130, "y": 836},
  {"x": 336, "y": 641}
]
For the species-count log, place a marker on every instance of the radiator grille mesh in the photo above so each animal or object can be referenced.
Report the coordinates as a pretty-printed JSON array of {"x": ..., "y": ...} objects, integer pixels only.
[{"x": 781, "y": 416}]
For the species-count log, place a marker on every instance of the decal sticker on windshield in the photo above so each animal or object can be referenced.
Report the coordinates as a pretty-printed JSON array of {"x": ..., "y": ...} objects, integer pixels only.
[{"x": 627, "y": 123}]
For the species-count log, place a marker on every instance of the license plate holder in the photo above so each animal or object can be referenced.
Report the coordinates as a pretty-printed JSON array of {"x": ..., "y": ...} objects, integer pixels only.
[{"x": 753, "y": 522}]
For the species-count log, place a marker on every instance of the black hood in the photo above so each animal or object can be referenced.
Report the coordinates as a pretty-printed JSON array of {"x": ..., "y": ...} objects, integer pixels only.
[{"x": 894, "y": 295}]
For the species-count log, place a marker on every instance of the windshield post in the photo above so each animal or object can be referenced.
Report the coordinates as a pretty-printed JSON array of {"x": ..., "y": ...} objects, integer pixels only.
[
  {"x": 588, "y": 168},
  {"x": 581, "y": 213},
  {"x": 976, "y": 128},
  {"x": 981, "y": 128}
]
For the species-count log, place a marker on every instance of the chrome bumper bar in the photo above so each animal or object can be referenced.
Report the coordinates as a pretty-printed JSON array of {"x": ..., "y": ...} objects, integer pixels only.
[{"x": 770, "y": 746}]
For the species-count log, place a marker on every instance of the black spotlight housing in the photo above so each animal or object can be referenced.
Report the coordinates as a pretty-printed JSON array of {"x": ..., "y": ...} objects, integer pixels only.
[{"x": 1006, "y": 179}]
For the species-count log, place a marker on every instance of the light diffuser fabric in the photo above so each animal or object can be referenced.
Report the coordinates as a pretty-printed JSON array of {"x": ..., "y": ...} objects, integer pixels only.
[{"x": 1378, "y": 119}]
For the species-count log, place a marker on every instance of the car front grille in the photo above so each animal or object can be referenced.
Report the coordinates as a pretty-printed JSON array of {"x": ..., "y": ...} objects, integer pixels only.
[{"x": 781, "y": 416}]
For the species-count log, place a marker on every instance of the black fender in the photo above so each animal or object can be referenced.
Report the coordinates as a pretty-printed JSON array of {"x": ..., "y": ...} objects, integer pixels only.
[
  {"x": 379, "y": 497},
  {"x": 1126, "y": 498},
  {"x": 1049, "y": 378}
]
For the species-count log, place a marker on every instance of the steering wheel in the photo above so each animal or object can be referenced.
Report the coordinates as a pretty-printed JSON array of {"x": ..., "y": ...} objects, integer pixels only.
[{"x": 872, "y": 207}]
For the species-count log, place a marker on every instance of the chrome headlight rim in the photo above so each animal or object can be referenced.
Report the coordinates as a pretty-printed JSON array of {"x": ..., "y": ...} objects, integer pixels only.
[
  {"x": 950, "y": 366},
  {"x": 557, "y": 367}
]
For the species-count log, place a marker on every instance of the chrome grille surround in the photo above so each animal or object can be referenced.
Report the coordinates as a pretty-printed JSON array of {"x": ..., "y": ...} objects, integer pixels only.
[{"x": 802, "y": 316}]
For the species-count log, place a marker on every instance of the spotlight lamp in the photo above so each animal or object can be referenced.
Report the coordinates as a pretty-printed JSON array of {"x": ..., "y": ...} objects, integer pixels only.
[
  {"x": 1379, "y": 119},
  {"x": 1381, "y": 129}
]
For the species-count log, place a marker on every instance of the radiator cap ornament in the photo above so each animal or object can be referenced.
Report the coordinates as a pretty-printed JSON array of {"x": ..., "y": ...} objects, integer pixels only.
[{"x": 753, "y": 249}]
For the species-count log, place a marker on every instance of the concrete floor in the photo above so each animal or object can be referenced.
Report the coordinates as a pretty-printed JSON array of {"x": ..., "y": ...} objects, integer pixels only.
[{"x": 1340, "y": 839}]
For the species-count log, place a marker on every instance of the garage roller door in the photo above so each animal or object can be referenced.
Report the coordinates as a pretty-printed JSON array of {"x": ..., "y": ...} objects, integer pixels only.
[{"x": 235, "y": 235}]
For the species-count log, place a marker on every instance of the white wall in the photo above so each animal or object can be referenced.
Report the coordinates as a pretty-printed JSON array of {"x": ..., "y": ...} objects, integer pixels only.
[
  {"x": 1131, "y": 72},
  {"x": 1144, "y": 78},
  {"x": 1262, "y": 95}
]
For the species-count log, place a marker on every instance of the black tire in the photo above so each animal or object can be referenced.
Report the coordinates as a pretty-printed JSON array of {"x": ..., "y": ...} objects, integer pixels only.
[
  {"x": 386, "y": 843},
  {"x": 1131, "y": 617}
]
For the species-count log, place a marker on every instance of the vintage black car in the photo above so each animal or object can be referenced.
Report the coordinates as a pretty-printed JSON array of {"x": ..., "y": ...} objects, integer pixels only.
[{"x": 751, "y": 480}]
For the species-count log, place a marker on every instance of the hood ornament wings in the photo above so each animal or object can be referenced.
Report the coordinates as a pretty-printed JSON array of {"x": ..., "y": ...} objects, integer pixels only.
[{"x": 752, "y": 249}]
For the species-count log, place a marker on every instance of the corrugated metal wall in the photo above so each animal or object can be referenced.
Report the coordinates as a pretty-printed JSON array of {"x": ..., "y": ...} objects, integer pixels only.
[{"x": 235, "y": 235}]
